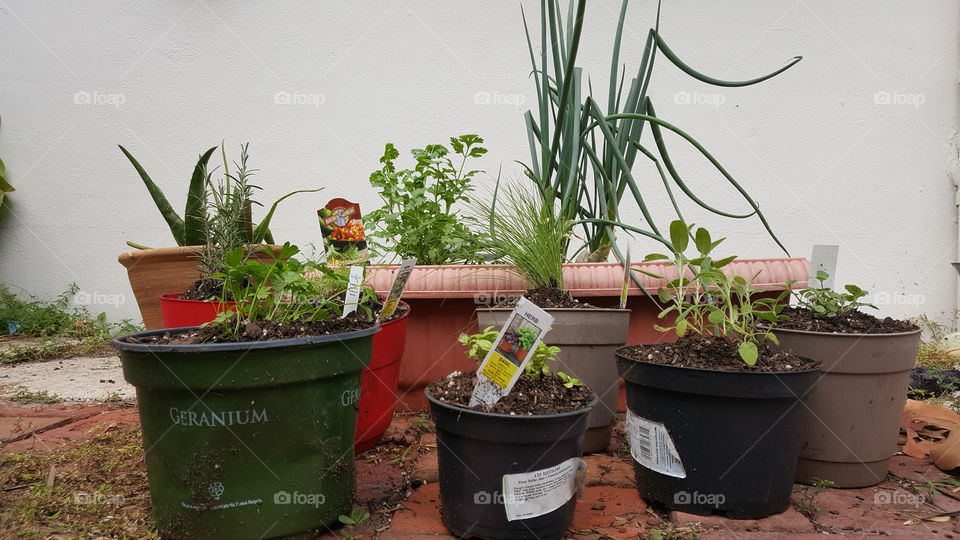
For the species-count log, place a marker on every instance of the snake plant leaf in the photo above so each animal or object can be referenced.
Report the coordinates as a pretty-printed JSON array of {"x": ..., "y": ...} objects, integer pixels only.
[
  {"x": 263, "y": 229},
  {"x": 174, "y": 221},
  {"x": 194, "y": 214}
]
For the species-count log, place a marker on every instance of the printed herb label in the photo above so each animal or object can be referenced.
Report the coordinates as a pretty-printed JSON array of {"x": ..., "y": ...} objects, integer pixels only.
[
  {"x": 532, "y": 494},
  {"x": 396, "y": 290},
  {"x": 353, "y": 290},
  {"x": 652, "y": 446},
  {"x": 511, "y": 351}
]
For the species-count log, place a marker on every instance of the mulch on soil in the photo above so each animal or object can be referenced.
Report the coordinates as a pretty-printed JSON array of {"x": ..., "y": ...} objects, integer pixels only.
[
  {"x": 854, "y": 322},
  {"x": 544, "y": 395},
  {"x": 717, "y": 353}
]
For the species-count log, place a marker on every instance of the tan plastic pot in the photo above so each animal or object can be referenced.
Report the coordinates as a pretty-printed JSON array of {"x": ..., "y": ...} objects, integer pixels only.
[
  {"x": 587, "y": 339},
  {"x": 154, "y": 272},
  {"x": 853, "y": 412},
  {"x": 158, "y": 271},
  {"x": 444, "y": 300}
]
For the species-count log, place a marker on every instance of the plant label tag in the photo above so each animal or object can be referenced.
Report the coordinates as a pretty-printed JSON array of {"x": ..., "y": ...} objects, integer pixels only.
[
  {"x": 353, "y": 290},
  {"x": 532, "y": 494},
  {"x": 652, "y": 446},
  {"x": 510, "y": 352},
  {"x": 824, "y": 257},
  {"x": 626, "y": 280},
  {"x": 396, "y": 290}
]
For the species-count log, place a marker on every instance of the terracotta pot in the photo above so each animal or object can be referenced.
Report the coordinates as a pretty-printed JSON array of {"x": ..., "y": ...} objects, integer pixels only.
[
  {"x": 154, "y": 272},
  {"x": 852, "y": 418},
  {"x": 587, "y": 339},
  {"x": 444, "y": 300}
]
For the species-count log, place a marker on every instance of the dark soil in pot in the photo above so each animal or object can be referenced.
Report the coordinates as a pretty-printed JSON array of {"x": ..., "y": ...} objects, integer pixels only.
[
  {"x": 476, "y": 449},
  {"x": 714, "y": 435},
  {"x": 205, "y": 289},
  {"x": 853, "y": 322},
  {"x": 256, "y": 331}
]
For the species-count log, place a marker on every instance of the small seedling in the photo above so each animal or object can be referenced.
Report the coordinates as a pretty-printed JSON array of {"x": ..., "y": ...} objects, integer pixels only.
[
  {"x": 568, "y": 381},
  {"x": 825, "y": 303},
  {"x": 422, "y": 422},
  {"x": 355, "y": 518}
]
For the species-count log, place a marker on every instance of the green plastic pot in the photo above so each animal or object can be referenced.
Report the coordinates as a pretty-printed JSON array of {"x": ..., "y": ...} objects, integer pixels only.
[{"x": 248, "y": 440}]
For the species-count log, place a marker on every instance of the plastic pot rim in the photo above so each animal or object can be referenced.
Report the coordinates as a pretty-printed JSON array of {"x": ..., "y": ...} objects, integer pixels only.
[
  {"x": 512, "y": 417},
  {"x": 564, "y": 310},
  {"x": 842, "y": 334},
  {"x": 121, "y": 345},
  {"x": 704, "y": 370}
]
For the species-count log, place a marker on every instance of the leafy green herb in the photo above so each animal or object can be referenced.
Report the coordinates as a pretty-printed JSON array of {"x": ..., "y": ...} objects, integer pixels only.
[
  {"x": 825, "y": 303},
  {"x": 568, "y": 381},
  {"x": 279, "y": 291},
  {"x": 706, "y": 301},
  {"x": 417, "y": 218},
  {"x": 526, "y": 336}
]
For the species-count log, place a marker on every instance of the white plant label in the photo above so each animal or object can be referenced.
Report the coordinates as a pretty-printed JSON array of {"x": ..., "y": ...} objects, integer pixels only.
[
  {"x": 626, "y": 280},
  {"x": 510, "y": 352},
  {"x": 396, "y": 290},
  {"x": 824, "y": 257},
  {"x": 652, "y": 446},
  {"x": 532, "y": 494},
  {"x": 353, "y": 290}
]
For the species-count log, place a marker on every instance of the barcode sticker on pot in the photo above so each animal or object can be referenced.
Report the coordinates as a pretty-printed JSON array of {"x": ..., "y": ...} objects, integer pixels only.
[
  {"x": 652, "y": 446},
  {"x": 532, "y": 494}
]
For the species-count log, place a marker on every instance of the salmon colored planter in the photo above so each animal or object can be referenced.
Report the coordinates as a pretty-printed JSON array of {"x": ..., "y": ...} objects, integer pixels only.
[
  {"x": 155, "y": 272},
  {"x": 378, "y": 386},
  {"x": 443, "y": 300}
]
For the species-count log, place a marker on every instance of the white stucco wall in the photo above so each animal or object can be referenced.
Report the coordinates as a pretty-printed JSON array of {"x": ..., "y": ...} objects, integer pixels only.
[{"x": 818, "y": 147}]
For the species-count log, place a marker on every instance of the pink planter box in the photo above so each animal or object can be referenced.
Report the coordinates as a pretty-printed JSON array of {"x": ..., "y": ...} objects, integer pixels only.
[{"x": 444, "y": 300}]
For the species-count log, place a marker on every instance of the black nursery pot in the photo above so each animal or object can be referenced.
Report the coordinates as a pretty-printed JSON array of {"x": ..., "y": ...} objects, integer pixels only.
[
  {"x": 475, "y": 449},
  {"x": 737, "y": 435}
]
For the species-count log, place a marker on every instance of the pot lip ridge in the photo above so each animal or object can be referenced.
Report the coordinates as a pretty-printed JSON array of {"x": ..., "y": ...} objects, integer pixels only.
[
  {"x": 512, "y": 417},
  {"x": 844, "y": 334},
  {"x": 563, "y": 310},
  {"x": 124, "y": 346},
  {"x": 175, "y": 298},
  {"x": 619, "y": 356}
]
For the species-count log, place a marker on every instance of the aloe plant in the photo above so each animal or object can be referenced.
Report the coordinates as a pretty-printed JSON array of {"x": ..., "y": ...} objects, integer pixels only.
[
  {"x": 190, "y": 229},
  {"x": 584, "y": 157}
]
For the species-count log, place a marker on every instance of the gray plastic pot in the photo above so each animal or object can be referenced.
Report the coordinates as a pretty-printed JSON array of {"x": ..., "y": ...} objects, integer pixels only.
[
  {"x": 587, "y": 339},
  {"x": 853, "y": 413}
]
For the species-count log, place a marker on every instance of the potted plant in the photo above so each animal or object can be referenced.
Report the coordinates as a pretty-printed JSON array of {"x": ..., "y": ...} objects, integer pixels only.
[
  {"x": 854, "y": 411},
  {"x": 527, "y": 233},
  {"x": 249, "y": 421},
  {"x": 534, "y": 431},
  {"x": 584, "y": 156},
  {"x": 153, "y": 272},
  {"x": 713, "y": 419}
]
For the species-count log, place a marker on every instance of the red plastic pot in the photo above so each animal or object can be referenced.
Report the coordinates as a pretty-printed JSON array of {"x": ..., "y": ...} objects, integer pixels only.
[{"x": 378, "y": 387}]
